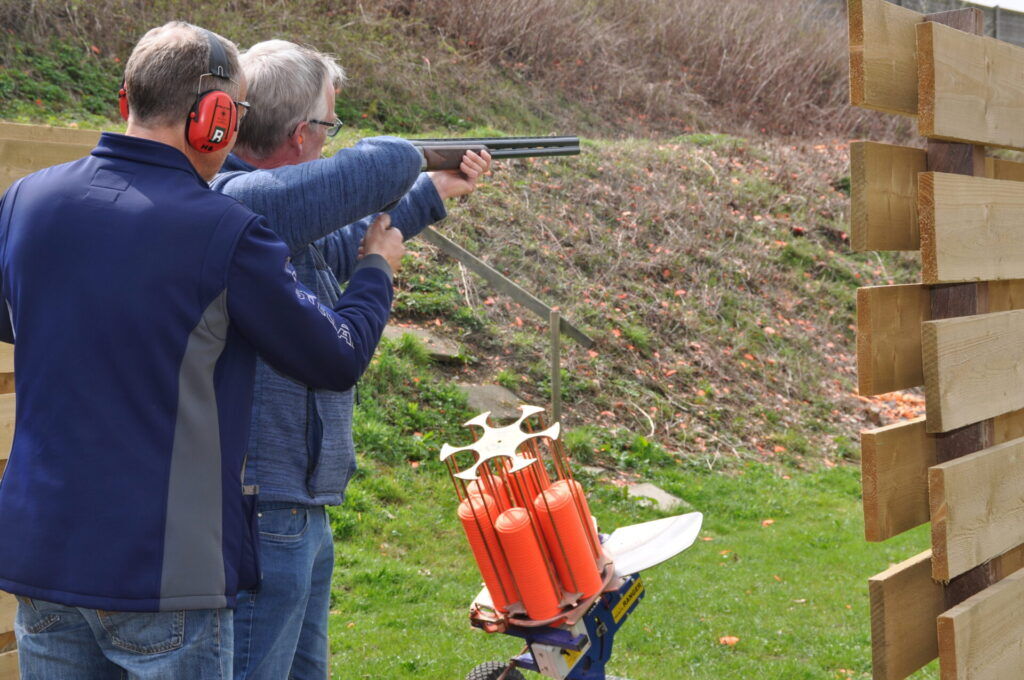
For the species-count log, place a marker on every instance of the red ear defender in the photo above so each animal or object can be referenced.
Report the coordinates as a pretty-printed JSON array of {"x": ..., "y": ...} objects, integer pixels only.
[
  {"x": 122, "y": 101},
  {"x": 212, "y": 122}
]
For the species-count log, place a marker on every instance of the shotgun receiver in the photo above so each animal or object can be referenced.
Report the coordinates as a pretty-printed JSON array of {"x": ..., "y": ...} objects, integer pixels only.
[{"x": 446, "y": 154}]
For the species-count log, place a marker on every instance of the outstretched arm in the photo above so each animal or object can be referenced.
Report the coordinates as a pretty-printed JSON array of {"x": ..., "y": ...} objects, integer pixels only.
[
  {"x": 305, "y": 202},
  {"x": 421, "y": 207}
]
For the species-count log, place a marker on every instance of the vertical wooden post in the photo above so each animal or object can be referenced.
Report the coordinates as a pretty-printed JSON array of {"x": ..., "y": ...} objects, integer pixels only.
[
  {"x": 961, "y": 299},
  {"x": 556, "y": 366}
]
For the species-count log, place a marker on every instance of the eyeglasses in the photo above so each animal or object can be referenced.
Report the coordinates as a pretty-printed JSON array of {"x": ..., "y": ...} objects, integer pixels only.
[
  {"x": 242, "y": 108},
  {"x": 332, "y": 128}
]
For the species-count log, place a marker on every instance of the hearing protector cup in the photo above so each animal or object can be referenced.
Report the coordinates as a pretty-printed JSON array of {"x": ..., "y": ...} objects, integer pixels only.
[{"x": 213, "y": 119}]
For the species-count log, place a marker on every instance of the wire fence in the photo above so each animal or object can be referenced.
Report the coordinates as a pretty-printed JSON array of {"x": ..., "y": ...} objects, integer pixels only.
[{"x": 1000, "y": 23}]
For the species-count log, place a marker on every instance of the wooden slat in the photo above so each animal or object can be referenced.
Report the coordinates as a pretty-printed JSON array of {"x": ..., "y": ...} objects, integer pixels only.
[
  {"x": 970, "y": 228},
  {"x": 969, "y": 87},
  {"x": 21, "y": 157},
  {"x": 6, "y": 357},
  {"x": 973, "y": 368},
  {"x": 883, "y": 194},
  {"x": 8, "y": 608},
  {"x": 9, "y": 666},
  {"x": 883, "y": 59},
  {"x": 48, "y": 134},
  {"x": 980, "y": 639},
  {"x": 977, "y": 508},
  {"x": 889, "y": 331},
  {"x": 894, "y": 473},
  {"x": 905, "y": 602},
  {"x": 999, "y": 168},
  {"x": 6, "y": 425},
  {"x": 889, "y": 337}
]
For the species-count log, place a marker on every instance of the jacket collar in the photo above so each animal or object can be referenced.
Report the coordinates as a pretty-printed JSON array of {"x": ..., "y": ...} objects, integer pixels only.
[
  {"x": 146, "y": 151},
  {"x": 236, "y": 164}
]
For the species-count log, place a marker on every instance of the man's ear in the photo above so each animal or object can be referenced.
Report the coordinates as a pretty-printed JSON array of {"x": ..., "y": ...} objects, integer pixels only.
[{"x": 298, "y": 137}]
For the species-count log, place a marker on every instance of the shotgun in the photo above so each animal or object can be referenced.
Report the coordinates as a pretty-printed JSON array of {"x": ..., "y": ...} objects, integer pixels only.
[{"x": 446, "y": 154}]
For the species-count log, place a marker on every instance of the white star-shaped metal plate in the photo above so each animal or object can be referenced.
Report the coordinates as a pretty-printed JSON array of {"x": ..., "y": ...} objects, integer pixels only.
[{"x": 499, "y": 442}]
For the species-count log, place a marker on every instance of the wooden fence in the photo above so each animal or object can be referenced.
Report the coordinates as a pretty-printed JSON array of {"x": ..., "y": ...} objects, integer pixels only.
[
  {"x": 25, "y": 149},
  {"x": 959, "y": 334}
]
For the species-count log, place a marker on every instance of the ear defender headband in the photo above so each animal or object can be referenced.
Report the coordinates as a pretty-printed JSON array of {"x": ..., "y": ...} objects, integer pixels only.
[{"x": 213, "y": 119}]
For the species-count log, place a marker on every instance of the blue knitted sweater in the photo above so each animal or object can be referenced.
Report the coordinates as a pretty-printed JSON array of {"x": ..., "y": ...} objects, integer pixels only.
[{"x": 300, "y": 442}]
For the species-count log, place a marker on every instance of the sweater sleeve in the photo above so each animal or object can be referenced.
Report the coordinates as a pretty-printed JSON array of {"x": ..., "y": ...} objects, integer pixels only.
[
  {"x": 6, "y": 206},
  {"x": 286, "y": 323},
  {"x": 418, "y": 209},
  {"x": 305, "y": 202}
]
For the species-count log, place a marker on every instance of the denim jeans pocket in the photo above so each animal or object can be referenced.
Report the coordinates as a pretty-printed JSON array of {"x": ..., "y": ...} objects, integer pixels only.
[
  {"x": 144, "y": 632},
  {"x": 34, "y": 616},
  {"x": 284, "y": 524}
]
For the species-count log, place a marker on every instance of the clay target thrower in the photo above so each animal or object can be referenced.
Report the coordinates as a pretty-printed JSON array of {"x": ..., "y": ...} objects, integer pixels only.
[{"x": 549, "y": 576}]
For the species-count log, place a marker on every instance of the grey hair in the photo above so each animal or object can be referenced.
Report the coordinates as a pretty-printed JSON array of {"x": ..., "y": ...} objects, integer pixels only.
[
  {"x": 165, "y": 71},
  {"x": 286, "y": 86}
]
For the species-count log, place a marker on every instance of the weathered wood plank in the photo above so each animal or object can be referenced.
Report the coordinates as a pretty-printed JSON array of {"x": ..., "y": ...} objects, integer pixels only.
[
  {"x": 977, "y": 508},
  {"x": 883, "y": 58},
  {"x": 48, "y": 134},
  {"x": 889, "y": 331},
  {"x": 894, "y": 462},
  {"x": 8, "y": 608},
  {"x": 6, "y": 425},
  {"x": 973, "y": 368},
  {"x": 883, "y": 193},
  {"x": 894, "y": 472},
  {"x": 21, "y": 157},
  {"x": 9, "y": 666},
  {"x": 889, "y": 337},
  {"x": 970, "y": 228},
  {"x": 883, "y": 196},
  {"x": 905, "y": 603},
  {"x": 969, "y": 87},
  {"x": 894, "y": 476},
  {"x": 980, "y": 639}
]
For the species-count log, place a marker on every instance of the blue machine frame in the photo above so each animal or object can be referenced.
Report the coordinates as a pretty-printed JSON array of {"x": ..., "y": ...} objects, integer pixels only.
[{"x": 603, "y": 620}]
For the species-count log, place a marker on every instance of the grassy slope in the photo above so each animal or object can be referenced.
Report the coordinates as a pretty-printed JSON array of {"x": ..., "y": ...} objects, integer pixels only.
[
  {"x": 714, "y": 274},
  {"x": 782, "y": 564}
]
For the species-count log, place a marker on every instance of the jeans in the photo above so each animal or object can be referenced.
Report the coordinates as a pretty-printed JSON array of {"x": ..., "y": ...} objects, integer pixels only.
[
  {"x": 281, "y": 629},
  {"x": 56, "y": 642}
]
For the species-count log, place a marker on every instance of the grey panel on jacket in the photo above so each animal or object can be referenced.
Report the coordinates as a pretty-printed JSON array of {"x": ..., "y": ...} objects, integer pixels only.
[{"x": 193, "y": 564}]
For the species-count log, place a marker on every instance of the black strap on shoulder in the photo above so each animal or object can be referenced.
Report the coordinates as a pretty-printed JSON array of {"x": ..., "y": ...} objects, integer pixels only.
[{"x": 218, "y": 57}]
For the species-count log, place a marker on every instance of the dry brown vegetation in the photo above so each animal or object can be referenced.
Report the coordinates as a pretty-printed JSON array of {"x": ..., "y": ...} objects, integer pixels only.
[
  {"x": 603, "y": 67},
  {"x": 778, "y": 66}
]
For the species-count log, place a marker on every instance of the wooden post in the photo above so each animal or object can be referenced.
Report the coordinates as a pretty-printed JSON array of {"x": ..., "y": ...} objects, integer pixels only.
[
  {"x": 556, "y": 366},
  {"x": 960, "y": 300}
]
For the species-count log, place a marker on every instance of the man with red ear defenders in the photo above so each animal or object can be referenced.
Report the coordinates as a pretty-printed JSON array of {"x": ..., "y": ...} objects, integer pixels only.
[
  {"x": 301, "y": 451},
  {"x": 129, "y": 530},
  {"x": 212, "y": 122}
]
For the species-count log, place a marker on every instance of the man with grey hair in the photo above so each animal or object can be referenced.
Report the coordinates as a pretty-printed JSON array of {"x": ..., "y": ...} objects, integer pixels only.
[
  {"x": 139, "y": 300},
  {"x": 301, "y": 452}
]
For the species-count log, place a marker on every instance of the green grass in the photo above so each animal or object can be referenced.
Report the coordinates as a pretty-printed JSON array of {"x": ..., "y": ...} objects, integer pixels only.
[
  {"x": 793, "y": 589},
  {"x": 793, "y": 592}
]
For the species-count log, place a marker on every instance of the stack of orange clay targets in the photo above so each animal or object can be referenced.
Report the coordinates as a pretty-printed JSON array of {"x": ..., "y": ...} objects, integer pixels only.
[
  {"x": 527, "y": 521},
  {"x": 549, "y": 577}
]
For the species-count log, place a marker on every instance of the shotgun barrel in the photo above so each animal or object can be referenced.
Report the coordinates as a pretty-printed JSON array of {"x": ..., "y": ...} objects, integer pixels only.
[{"x": 446, "y": 154}]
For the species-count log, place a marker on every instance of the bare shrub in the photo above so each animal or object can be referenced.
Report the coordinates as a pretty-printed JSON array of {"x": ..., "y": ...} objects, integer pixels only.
[{"x": 778, "y": 65}]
